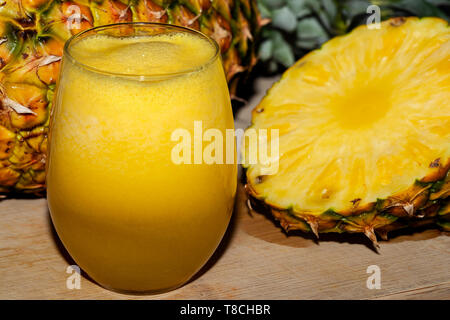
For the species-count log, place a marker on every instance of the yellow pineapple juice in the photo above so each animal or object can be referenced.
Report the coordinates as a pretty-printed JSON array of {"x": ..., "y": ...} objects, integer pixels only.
[{"x": 131, "y": 218}]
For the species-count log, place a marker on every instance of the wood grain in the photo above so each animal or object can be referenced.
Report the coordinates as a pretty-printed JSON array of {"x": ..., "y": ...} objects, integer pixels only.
[{"x": 256, "y": 259}]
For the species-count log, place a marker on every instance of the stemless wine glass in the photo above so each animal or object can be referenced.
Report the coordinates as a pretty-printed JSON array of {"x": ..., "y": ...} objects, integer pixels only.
[{"x": 130, "y": 195}]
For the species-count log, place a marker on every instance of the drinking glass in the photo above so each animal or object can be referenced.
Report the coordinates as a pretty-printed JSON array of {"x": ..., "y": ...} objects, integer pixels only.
[{"x": 136, "y": 190}]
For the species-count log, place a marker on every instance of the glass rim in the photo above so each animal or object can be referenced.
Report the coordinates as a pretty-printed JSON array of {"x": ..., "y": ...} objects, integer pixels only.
[{"x": 141, "y": 77}]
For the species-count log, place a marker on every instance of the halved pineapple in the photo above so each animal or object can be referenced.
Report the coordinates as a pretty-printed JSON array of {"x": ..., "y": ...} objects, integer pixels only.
[{"x": 364, "y": 132}]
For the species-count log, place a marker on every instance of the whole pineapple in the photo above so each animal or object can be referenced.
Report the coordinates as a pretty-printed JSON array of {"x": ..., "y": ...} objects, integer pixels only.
[
  {"x": 364, "y": 133},
  {"x": 32, "y": 35}
]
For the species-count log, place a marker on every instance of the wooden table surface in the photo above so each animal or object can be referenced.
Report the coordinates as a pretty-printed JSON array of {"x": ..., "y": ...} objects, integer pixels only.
[{"x": 256, "y": 259}]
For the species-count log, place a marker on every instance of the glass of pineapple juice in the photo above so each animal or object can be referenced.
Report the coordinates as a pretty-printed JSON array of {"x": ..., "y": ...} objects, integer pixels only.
[{"x": 129, "y": 216}]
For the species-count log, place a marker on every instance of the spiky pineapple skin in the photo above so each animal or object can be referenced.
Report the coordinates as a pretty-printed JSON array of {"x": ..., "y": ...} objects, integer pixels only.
[
  {"x": 426, "y": 201},
  {"x": 32, "y": 35}
]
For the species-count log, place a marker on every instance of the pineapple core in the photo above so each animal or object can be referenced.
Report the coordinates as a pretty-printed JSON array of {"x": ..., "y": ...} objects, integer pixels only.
[{"x": 360, "y": 107}]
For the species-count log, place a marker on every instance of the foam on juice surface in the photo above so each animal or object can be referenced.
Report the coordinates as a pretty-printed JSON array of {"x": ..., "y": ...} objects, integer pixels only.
[{"x": 143, "y": 55}]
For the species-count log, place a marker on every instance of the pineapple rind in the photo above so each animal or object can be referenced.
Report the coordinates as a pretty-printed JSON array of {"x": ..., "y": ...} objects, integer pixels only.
[
  {"x": 382, "y": 217},
  {"x": 434, "y": 194}
]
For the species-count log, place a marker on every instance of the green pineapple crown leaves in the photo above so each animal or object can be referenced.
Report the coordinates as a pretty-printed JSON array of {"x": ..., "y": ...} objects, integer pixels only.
[{"x": 298, "y": 26}]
